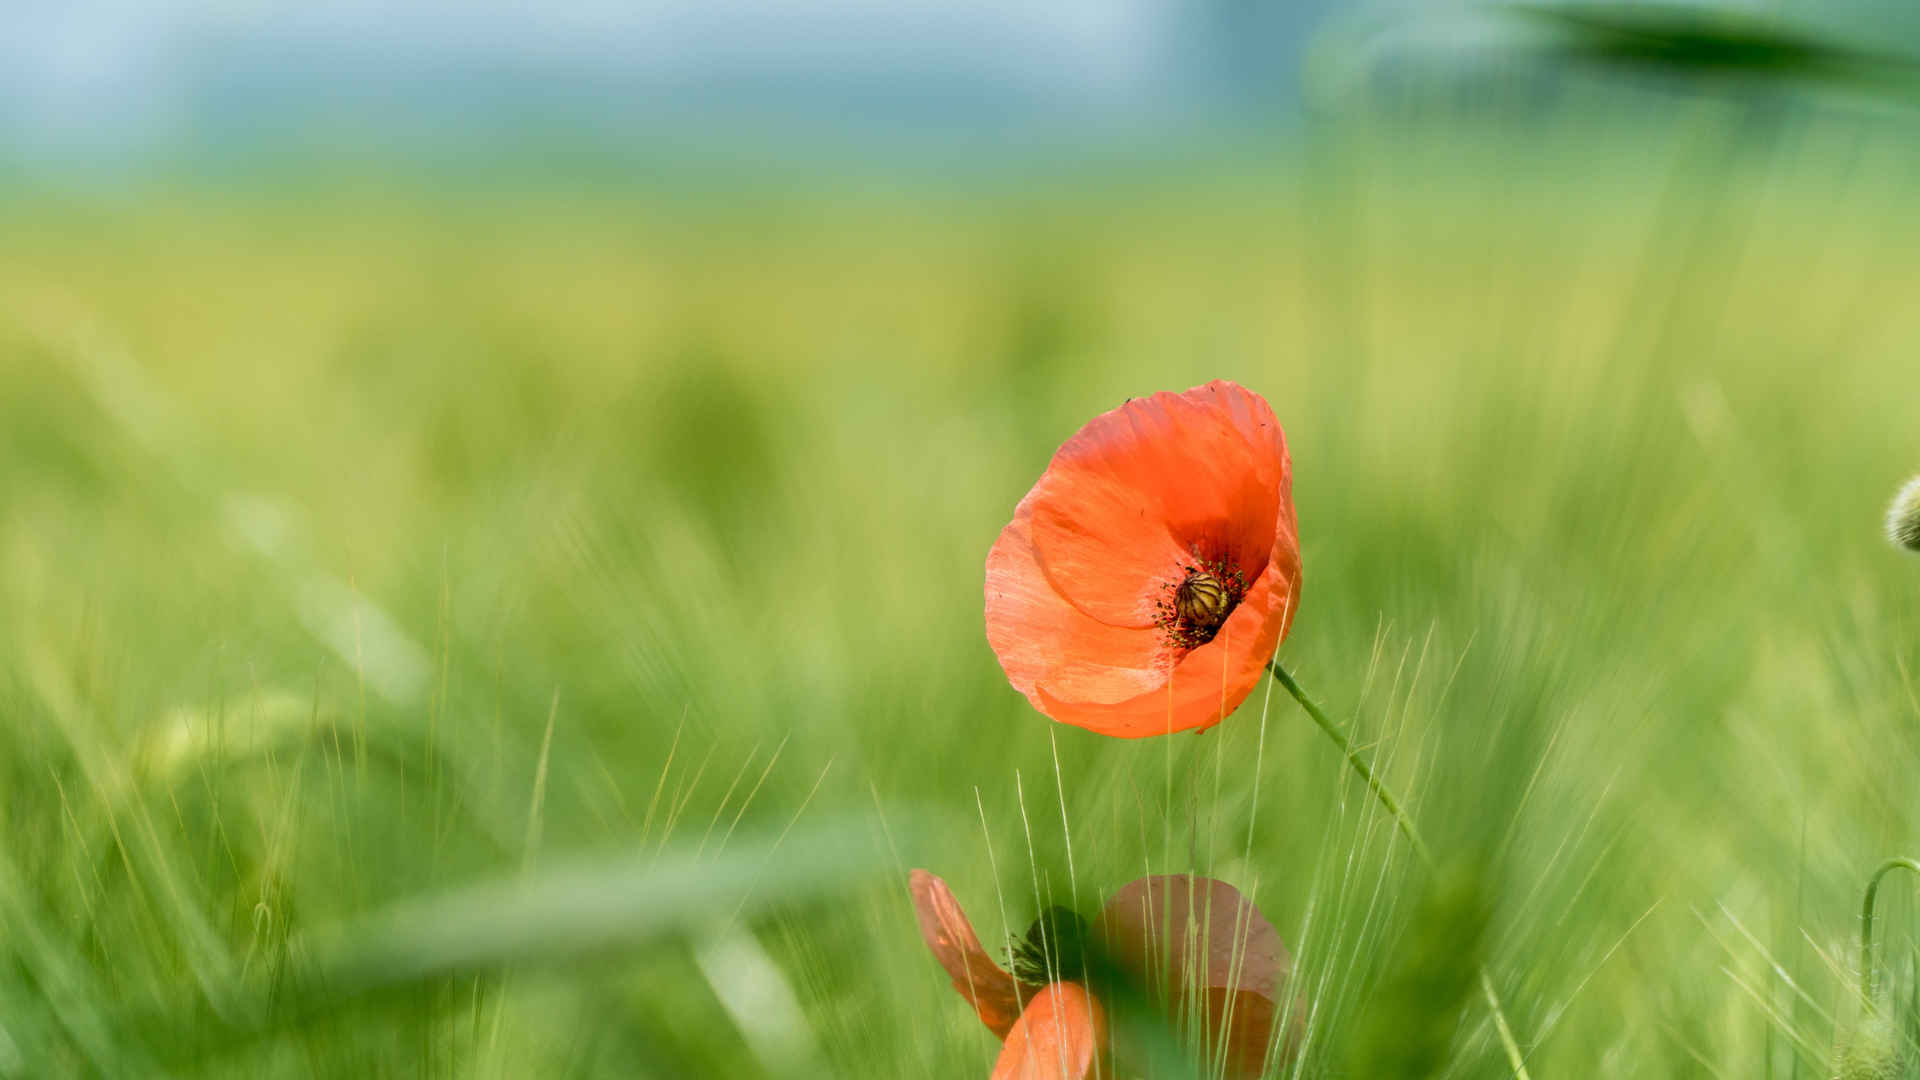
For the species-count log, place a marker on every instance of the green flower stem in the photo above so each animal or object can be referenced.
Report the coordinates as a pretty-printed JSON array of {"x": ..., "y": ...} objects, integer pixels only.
[
  {"x": 1866, "y": 923},
  {"x": 1405, "y": 822},
  {"x": 1354, "y": 759}
]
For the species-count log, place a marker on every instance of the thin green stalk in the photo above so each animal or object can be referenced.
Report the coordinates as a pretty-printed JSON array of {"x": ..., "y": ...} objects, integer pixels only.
[
  {"x": 1401, "y": 818},
  {"x": 1354, "y": 759},
  {"x": 1866, "y": 923}
]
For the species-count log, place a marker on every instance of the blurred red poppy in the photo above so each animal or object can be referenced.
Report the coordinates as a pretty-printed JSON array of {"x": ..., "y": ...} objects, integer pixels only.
[
  {"x": 1148, "y": 577},
  {"x": 1193, "y": 944}
]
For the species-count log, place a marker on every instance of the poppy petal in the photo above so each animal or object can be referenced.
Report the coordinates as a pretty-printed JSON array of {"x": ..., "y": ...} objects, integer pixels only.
[
  {"x": 1040, "y": 637},
  {"x": 993, "y": 991},
  {"x": 1058, "y": 1037},
  {"x": 1240, "y": 1031},
  {"x": 1198, "y": 941},
  {"x": 1130, "y": 499},
  {"x": 1207, "y": 683},
  {"x": 1250, "y": 414},
  {"x": 1191, "y": 933}
]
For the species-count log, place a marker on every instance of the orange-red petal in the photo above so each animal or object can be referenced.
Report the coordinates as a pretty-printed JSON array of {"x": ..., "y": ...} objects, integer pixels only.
[
  {"x": 1199, "y": 942},
  {"x": 1040, "y": 638},
  {"x": 1131, "y": 497},
  {"x": 1058, "y": 1037},
  {"x": 993, "y": 991}
]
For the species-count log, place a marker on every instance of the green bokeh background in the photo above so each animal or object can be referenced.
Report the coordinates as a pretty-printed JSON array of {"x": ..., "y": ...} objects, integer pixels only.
[{"x": 362, "y": 542}]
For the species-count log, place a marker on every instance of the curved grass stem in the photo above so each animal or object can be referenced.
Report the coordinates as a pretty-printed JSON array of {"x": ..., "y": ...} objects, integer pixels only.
[
  {"x": 1866, "y": 923},
  {"x": 1515, "y": 1058}
]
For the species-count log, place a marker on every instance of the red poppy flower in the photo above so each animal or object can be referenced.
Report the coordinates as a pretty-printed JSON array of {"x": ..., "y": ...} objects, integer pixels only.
[
  {"x": 1148, "y": 577},
  {"x": 1193, "y": 943}
]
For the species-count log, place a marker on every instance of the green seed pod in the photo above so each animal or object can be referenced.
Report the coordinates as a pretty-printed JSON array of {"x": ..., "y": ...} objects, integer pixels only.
[
  {"x": 1874, "y": 1052},
  {"x": 1203, "y": 602},
  {"x": 1903, "y": 517}
]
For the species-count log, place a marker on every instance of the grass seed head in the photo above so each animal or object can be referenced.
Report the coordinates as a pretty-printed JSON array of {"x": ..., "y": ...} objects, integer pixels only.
[
  {"x": 1903, "y": 517},
  {"x": 1874, "y": 1051}
]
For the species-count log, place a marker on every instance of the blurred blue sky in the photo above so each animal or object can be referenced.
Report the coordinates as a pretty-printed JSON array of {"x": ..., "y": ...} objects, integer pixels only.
[
  {"x": 108, "y": 83},
  {"x": 105, "y": 85}
]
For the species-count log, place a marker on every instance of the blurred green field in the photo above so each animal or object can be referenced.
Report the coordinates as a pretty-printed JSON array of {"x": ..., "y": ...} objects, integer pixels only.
[{"x": 620, "y": 554}]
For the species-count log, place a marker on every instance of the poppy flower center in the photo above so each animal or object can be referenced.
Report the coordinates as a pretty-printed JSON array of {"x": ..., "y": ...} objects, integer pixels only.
[{"x": 1198, "y": 603}]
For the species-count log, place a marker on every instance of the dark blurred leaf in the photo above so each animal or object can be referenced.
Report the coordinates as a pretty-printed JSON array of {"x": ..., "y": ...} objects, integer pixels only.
[{"x": 1687, "y": 40}]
